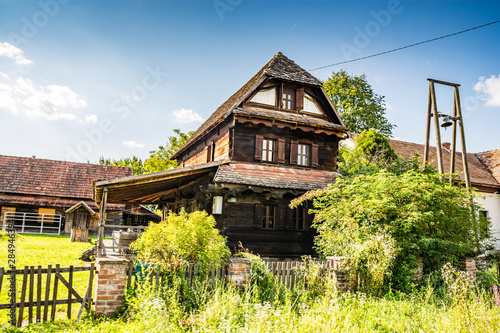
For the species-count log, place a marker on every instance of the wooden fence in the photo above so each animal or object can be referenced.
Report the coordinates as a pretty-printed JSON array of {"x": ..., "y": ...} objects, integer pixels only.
[
  {"x": 193, "y": 273},
  {"x": 37, "y": 295},
  {"x": 291, "y": 273}
]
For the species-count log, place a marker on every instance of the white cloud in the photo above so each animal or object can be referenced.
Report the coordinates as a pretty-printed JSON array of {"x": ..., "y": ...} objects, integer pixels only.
[
  {"x": 89, "y": 119},
  {"x": 186, "y": 116},
  {"x": 490, "y": 90},
  {"x": 14, "y": 53},
  {"x": 132, "y": 144},
  {"x": 22, "y": 96}
]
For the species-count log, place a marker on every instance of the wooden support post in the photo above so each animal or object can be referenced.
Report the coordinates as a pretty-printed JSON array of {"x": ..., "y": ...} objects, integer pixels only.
[
  {"x": 102, "y": 219},
  {"x": 453, "y": 140},
  {"x": 462, "y": 138},
  {"x": 428, "y": 127},
  {"x": 436, "y": 125}
]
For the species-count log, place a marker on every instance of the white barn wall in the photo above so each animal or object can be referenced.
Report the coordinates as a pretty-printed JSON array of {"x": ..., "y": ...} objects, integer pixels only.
[{"x": 491, "y": 203}]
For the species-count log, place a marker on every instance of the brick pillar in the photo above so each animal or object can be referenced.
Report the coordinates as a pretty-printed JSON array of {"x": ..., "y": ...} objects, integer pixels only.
[
  {"x": 109, "y": 288},
  {"x": 419, "y": 272},
  {"x": 238, "y": 270},
  {"x": 470, "y": 267},
  {"x": 345, "y": 282}
]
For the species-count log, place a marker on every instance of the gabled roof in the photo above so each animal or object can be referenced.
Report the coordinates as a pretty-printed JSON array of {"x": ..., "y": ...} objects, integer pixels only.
[
  {"x": 78, "y": 205},
  {"x": 479, "y": 173},
  {"x": 49, "y": 178},
  {"x": 491, "y": 159},
  {"x": 279, "y": 67}
]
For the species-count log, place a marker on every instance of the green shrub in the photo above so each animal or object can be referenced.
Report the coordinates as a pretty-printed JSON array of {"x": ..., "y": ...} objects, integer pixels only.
[
  {"x": 182, "y": 238},
  {"x": 396, "y": 219}
]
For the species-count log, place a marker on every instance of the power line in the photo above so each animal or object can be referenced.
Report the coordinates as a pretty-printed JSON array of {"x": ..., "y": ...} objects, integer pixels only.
[{"x": 407, "y": 46}]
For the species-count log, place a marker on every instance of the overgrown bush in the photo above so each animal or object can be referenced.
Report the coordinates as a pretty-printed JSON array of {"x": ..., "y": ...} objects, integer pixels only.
[
  {"x": 182, "y": 238},
  {"x": 400, "y": 217}
]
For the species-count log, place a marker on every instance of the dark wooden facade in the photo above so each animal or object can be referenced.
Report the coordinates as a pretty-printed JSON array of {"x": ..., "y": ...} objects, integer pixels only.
[{"x": 274, "y": 139}]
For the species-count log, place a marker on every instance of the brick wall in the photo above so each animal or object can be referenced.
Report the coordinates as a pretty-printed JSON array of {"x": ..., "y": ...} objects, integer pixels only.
[
  {"x": 344, "y": 280},
  {"x": 238, "y": 272},
  {"x": 470, "y": 268},
  {"x": 110, "y": 281}
]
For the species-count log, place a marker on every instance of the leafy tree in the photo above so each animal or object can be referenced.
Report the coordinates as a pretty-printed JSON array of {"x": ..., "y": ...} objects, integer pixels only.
[
  {"x": 359, "y": 107},
  {"x": 397, "y": 217},
  {"x": 372, "y": 153},
  {"x": 134, "y": 162},
  {"x": 158, "y": 160},
  {"x": 182, "y": 238}
]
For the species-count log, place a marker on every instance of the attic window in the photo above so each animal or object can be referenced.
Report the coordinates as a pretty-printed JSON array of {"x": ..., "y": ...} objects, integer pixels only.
[
  {"x": 288, "y": 98},
  {"x": 310, "y": 105},
  {"x": 265, "y": 96}
]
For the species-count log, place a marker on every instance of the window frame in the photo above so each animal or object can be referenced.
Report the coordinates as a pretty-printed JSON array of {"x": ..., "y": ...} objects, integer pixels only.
[
  {"x": 291, "y": 101},
  {"x": 266, "y": 216},
  {"x": 304, "y": 156},
  {"x": 298, "y": 219},
  {"x": 266, "y": 151}
]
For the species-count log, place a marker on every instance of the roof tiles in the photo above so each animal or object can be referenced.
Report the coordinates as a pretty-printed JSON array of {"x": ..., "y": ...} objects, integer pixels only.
[
  {"x": 274, "y": 176},
  {"x": 41, "y": 177}
]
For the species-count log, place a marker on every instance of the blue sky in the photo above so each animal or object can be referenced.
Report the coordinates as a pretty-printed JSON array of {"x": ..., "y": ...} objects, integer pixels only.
[{"x": 83, "y": 79}]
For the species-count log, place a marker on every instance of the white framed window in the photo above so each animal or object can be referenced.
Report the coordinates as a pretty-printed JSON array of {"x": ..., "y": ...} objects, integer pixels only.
[
  {"x": 268, "y": 150},
  {"x": 288, "y": 99},
  {"x": 303, "y": 151}
]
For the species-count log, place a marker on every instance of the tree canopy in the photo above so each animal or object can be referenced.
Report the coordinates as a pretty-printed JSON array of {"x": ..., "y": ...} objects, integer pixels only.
[
  {"x": 158, "y": 160},
  {"x": 359, "y": 107}
]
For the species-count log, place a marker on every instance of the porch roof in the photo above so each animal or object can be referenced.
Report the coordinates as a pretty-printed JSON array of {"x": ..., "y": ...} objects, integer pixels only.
[{"x": 149, "y": 188}]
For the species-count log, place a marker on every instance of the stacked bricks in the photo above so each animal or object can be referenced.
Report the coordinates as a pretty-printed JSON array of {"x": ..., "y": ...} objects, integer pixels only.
[
  {"x": 238, "y": 272},
  {"x": 419, "y": 272},
  {"x": 344, "y": 280},
  {"x": 470, "y": 268},
  {"x": 109, "y": 290}
]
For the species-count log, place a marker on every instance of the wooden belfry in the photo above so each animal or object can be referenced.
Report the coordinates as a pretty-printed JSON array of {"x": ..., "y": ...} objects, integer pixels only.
[{"x": 432, "y": 111}]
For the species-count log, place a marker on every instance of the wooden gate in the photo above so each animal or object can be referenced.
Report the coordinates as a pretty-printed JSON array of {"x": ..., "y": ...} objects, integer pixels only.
[{"x": 38, "y": 294}]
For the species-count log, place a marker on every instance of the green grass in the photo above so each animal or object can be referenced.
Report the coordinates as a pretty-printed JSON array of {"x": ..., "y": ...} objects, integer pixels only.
[
  {"x": 44, "y": 250},
  {"x": 230, "y": 311}
]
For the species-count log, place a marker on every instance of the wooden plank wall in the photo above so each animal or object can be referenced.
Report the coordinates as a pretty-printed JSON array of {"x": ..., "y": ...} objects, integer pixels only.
[{"x": 244, "y": 144}]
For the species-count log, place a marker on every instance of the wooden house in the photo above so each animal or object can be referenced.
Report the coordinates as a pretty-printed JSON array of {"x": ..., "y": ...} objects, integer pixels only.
[
  {"x": 270, "y": 142},
  {"x": 40, "y": 193}
]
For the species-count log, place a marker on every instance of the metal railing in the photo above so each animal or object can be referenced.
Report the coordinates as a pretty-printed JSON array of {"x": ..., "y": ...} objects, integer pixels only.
[{"x": 34, "y": 222}]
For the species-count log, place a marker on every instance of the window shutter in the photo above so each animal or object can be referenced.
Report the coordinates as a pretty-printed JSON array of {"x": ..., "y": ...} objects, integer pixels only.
[
  {"x": 210, "y": 152},
  {"x": 258, "y": 147},
  {"x": 314, "y": 155},
  {"x": 281, "y": 217},
  {"x": 257, "y": 223},
  {"x": 293, "y": 152},
  {"x": 299, "y": 98},
  {"x": 281, "y": 150}
]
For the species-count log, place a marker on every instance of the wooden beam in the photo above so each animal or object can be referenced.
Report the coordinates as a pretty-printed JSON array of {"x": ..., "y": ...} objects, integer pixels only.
[
  {"x": 102, "y": 217},
  {"x": 445, "y": 83}
]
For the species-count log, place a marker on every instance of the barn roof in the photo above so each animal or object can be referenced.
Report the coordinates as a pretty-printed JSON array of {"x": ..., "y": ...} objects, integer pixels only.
[
  {"x": 491, "y": 159},
  {"x": 49, "y": 178},
  {"x": 279, "y": 67},
  {"x": 479, "y": 173}
]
